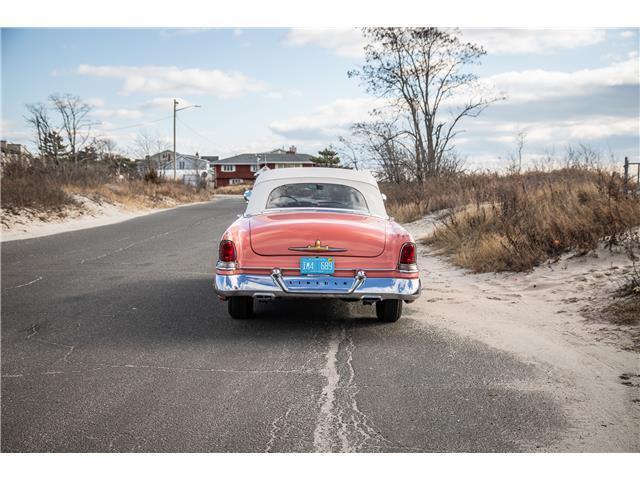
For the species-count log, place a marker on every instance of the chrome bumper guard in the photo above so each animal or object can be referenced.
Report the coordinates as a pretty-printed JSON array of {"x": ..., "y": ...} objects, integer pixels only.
[{"x": 360, "y": 287}]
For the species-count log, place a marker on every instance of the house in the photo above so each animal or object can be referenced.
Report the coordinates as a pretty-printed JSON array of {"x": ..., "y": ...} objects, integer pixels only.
[
  {"x": 243, "y": 168},
  {"x": 188, "y": 168},
  {"x": 14, "y": 152}
]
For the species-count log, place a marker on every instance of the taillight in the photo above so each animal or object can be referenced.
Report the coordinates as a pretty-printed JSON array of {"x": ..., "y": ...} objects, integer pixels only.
[
  {"x": 227, "y": 251},
  {"x": 408, "y": 257}
]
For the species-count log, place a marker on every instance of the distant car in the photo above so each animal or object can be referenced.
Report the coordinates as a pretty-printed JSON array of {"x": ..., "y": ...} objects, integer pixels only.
[{"x": 317, "y": 233}]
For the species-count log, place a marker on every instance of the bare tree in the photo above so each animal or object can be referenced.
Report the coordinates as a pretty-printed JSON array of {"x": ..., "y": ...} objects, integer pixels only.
[
  {"x": 47, "y": 139},
  {"x": 75, "y": 122},
  {"x": 146, "y": 144},
  {"x": 582, "y": 156},
  {"x": 421, "y": 72},
  {"x": 383, "y": 144},
  {"x": 515, "y": 158},
  {"x": 107, "y": 152},
  {"x": 38, "y": 118},
  {"x": 348, "y": 153}
]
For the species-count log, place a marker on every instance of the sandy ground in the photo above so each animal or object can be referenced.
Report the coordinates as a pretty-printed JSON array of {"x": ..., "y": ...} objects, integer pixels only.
[
  {"x": 537, "y": 317},
  {"x": 90, "y": 214}
]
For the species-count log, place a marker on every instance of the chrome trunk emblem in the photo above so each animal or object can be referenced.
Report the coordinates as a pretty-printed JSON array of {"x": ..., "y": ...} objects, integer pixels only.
[{"x": 317, "y": 247}]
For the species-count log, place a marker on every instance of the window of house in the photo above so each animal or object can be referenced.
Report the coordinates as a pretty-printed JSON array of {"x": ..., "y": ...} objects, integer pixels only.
[
  {"x": 253, "y": 168},
  {"x": 235, "y": 181},
  {"x": 287, "y": 165},
  {"x": 181, "y": 165},
  {"x": 228, "y": 168}
]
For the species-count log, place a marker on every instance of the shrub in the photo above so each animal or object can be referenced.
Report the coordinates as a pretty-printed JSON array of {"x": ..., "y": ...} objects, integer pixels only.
[
  {"x": 47, "y": 187},
  {"x": 152, "y": 176},
  {"x": 532, "y": 218},
  {"x": 32, "y": 186}
]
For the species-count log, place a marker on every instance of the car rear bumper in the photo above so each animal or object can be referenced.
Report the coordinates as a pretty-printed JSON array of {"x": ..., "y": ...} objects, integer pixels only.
[{"x": 360, "y": 287}]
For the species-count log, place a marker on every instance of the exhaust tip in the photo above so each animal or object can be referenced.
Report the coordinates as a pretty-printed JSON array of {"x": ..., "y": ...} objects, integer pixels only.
[
  {"x": 264, "y": 297},
  {"x": 370, "y": 300}
]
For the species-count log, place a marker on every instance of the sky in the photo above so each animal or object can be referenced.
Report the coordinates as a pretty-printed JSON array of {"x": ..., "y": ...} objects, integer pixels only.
[{"x": 261, "y": 89}]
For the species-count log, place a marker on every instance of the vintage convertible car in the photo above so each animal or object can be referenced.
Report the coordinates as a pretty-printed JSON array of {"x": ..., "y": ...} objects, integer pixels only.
[{"x": 317, "y": 233}]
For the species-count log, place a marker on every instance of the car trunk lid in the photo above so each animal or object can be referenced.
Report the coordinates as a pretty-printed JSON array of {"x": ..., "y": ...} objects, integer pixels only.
[{"x": 317, "y": 233}]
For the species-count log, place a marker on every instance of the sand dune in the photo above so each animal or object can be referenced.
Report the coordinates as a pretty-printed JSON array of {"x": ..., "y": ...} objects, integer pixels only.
[{"x": 587, "y": 364}]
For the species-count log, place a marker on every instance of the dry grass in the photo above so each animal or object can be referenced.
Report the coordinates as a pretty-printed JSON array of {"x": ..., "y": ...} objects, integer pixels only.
[
  {"x": 535, "y": 217},
  {"x": 135, "y": 194},
  {"x": 409, "y": 202},
  {"x": 233, "y": 189},
  {"x": 51, "y": 190}
]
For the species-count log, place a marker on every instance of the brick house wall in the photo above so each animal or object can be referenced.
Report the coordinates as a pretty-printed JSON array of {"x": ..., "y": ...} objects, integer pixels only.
[{"x": 242, "y": 172}]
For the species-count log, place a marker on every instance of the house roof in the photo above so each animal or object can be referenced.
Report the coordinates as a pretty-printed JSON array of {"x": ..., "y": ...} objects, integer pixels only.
[
  {"x": 269, "y": 157},
  {"x": 190, "y": 160}
]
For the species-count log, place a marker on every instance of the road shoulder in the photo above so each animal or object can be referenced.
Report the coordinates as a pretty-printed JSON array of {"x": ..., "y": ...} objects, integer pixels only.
[
  {"x": 94, "y": 215},
  {"x": 537, "y": 317}
]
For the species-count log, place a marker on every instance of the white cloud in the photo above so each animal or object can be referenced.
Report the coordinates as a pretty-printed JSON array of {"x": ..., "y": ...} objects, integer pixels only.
[
  {"x": 507, "y": 40},
  {"x": 327, "y": 121},
  {"x": 345, "y": 42},
  {"x": 171, "y": 79},
  {"x": 585, "y": 129},
  {"x": 332, "y": 120},
  {"x": 11, "y": 134},
  {"x": 281, "y": 94},
  {"x": 164, "y": 103},
  {"x": 530, "y": 85},
  {"x": 95, "y": 102},
  {"x": 183, "y": 32},
  {"x": 127, "y": 113},
  {"x": 350, "y": 42}
]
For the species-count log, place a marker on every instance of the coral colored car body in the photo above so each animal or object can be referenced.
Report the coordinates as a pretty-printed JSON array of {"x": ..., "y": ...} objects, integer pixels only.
[{"x": 334, "y": 216}]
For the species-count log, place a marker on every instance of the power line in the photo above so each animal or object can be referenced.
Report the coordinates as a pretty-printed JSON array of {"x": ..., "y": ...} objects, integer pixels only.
[
  {"x": 137, "y": 124},
  {"x": 209, "y": 141}
]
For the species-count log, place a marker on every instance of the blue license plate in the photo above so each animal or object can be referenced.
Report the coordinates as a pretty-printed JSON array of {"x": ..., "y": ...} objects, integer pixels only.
[{"x": 316, "y": 265}]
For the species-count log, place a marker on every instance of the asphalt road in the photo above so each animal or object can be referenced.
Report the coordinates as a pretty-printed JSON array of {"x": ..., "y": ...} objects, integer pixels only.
[{"x": 113, "y": 340}]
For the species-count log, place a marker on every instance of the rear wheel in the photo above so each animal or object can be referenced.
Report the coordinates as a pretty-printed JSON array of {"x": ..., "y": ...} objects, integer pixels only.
[
  {"x": 388, "y": 310},
  {"x": 240, "y": 307}
]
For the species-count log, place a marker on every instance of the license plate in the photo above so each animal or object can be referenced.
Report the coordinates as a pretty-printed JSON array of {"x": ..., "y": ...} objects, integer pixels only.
[{"x": 316, "y": 265}]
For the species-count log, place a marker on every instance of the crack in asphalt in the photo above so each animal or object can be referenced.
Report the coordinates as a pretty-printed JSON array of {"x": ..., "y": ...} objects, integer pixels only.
[
  {"x": 322, "y": 441},
  {"x": 156, "y": 367},
  {"x": 339, "y": 417},
  {"x": 144, "y": 240},
  {"x": 275, "y": 429},
  {"x": 35, "y": 328},
  {"x": 26, "y": 284},
  {"x": 340, "y": 424}
]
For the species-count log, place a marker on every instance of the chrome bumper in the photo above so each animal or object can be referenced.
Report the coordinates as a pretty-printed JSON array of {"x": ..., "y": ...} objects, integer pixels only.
[{"x": 360, "y": 287}]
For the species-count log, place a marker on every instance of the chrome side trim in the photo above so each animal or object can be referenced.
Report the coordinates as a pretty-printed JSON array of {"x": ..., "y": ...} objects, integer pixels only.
[
  {"x": 229, "y": 266},
  {"x": 407, "y": 267},
  {"x": 312, "y": 249}
]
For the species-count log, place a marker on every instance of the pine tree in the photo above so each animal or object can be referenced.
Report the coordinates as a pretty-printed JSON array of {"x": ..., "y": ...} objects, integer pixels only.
[
  {"x": 327, "y": 158},
  {"x": 53, "y": 148}
]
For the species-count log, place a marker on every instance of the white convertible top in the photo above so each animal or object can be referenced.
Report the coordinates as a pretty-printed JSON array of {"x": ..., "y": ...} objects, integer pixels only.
[
  {"x": 361, "y": 180},
  {"x": 317, "y": 173}
]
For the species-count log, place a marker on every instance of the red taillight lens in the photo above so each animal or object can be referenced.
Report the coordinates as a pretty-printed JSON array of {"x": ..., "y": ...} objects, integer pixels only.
[
  {"x": 408, "y": 254},
  {"x": 227, "y": 251}
]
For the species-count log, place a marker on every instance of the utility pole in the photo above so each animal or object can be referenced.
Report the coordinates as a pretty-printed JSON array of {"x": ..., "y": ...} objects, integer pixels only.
[
  {"x": 175, "y": 110},
  {"x": 175, "y": 104}
]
